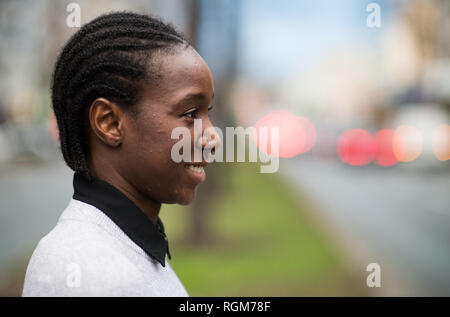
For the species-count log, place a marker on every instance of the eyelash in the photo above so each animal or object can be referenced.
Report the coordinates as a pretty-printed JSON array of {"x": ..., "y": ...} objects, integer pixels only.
[{"x": 195, "y": 111}]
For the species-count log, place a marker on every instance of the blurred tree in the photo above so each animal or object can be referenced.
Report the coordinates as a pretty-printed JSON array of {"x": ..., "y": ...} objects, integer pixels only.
[{"x": 214, "y": 31}]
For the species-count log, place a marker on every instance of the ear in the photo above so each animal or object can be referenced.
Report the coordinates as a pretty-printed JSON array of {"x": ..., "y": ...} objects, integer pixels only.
[{"x": 106, "y": 120}]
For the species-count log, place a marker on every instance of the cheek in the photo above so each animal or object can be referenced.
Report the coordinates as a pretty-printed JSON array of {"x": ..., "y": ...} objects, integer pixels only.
[
  {"x": 155, "y": 172},
  {"x": 166, "y": 176},
  {"x": 155, "y": 151},
  {"x": 148, "y": 154}
]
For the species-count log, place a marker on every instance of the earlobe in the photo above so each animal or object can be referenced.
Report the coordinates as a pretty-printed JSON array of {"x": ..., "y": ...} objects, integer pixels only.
[{"x": 106, "y": 120}]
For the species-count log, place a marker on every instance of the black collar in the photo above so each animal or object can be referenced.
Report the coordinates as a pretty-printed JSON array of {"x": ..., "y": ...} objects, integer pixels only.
[{"x": 125, "y": 214}]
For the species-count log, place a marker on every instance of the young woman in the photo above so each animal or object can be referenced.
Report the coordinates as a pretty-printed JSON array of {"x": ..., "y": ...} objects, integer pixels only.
[{"x": 121, "y": 84}]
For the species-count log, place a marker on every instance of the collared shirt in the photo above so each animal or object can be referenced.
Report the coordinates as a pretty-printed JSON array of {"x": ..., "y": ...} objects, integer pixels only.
[{"x": 125, "y": 214}]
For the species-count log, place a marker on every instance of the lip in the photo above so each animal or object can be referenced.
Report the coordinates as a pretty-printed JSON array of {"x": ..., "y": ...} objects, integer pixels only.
[
  {"x": 202, "y": 163},
  {"x": 196, "y": 177}
]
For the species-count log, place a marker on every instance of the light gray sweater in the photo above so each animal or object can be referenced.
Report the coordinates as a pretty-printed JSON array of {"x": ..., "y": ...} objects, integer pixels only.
[{"x": 87, "y": 254}]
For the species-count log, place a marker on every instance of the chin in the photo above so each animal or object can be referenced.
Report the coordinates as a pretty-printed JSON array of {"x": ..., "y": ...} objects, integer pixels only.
[{"x": 186, "y": 199}]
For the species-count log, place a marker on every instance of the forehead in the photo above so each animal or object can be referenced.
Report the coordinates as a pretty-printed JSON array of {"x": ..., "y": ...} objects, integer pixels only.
[{"x": 180, "y": 73}]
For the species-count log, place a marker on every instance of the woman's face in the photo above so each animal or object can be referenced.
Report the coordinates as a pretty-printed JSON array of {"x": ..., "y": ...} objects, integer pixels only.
[{"x": 183, "y": 92}]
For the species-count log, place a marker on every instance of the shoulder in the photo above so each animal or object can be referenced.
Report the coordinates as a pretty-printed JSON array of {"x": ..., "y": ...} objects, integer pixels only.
[
  {"x": 79, "y": 258},
  {"x": 55, "y": 275}
]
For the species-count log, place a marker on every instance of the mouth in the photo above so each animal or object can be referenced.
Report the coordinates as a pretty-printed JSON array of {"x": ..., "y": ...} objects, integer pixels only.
[{"x": 196, "y": 172}]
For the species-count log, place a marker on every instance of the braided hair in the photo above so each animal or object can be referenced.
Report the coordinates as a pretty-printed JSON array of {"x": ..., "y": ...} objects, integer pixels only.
[{"x": 109, "y": 57}]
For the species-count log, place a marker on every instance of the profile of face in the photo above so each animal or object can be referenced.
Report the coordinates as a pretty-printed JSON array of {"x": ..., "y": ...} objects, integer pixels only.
[{"x": 139, "y": 144}]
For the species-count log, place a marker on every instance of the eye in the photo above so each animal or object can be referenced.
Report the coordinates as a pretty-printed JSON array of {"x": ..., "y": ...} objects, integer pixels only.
[{"x": 191, "y": 113}]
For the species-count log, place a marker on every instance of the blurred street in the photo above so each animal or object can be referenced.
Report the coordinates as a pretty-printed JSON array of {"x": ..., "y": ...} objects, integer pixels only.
[
  {"x": 360, "y": 94},
  {"x": 33, "y": 196},
  {"x": 385, "y": 209},
  {"x": 403, "y": 216}
]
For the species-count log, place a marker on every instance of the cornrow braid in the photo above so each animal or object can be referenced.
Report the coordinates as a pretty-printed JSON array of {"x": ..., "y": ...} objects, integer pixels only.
[{"x": 109, "y": 57}]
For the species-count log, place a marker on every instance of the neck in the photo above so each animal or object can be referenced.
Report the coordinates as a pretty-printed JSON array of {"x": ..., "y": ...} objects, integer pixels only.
[{"x": 107, "y": 173}]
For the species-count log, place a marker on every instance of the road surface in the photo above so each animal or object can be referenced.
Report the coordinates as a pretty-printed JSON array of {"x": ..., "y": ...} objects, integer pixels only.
[{"x": 402, "y": 214}]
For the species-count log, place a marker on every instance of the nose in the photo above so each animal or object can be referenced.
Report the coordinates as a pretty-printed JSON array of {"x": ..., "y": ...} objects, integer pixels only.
[{"x": 210, "y": 139}]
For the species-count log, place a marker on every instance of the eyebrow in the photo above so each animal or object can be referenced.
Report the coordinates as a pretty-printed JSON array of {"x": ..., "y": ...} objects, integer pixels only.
[{"x": 192, "y": 96}]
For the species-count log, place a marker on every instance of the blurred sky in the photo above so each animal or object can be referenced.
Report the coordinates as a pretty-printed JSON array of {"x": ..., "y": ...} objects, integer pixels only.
[{"x": 278, "y": 39}]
